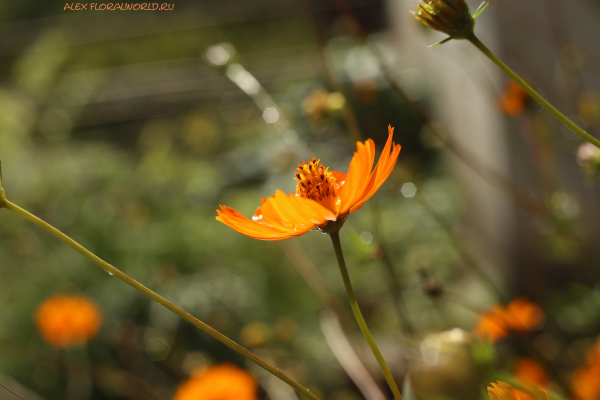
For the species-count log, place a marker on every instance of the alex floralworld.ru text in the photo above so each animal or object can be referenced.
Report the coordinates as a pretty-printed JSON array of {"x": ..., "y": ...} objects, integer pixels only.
[{"x": 119, "y": 6}]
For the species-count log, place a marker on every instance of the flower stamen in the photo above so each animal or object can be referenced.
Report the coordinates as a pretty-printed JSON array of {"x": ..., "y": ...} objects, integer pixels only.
[{"x": 315, "y": 182}]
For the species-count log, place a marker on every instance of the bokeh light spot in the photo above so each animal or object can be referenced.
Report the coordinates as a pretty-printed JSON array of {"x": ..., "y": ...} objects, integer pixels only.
[
  {"x": 366, "y": 237},
  {"x": 270, "y": 115},
  {"x": 408, "y": 189}
]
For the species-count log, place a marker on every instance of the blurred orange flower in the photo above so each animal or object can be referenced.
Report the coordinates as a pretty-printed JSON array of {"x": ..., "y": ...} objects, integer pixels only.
[
  {"x": 586, "y": 379},
  {"x": 585, "y": 382},
  {"x": 491, "y": 325},
  {"x": 593, "y": 353},
  {"x": 513, "y": 100},
  {"x": 531, "y": 375},
  {"x": 323, "y": 198},
  {"x": 531, "y": 371},
  {"x": 222, "y": 382},
  {"x": 67, "y": 321},
  {"x": 519, "y": 315},
  {"x": 502, "y": 391},
  {"x": 523, "y": 315}
]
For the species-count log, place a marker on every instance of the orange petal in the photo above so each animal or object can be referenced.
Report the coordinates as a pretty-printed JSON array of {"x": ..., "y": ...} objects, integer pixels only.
[
  {"x": 340, "y": 177},
  {"x": 358, "y": 174},
  {"x": 250, "y": 228},
  {"x": 280, "y": 217},
  {"x": 502, "y": 391},
  {"x": 382, "y": 171},
  {"x": 361, "y": 182}
]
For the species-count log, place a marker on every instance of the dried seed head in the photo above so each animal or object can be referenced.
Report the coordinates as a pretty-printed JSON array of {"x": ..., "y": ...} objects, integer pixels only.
[{"x": 453, "y": 17}]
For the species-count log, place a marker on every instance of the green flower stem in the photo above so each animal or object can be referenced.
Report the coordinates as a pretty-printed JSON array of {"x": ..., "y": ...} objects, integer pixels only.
[
  {"x": 335, "y": 238},
  {"x": 154, "y": 296},
  {"x": 549, "y": 107}
]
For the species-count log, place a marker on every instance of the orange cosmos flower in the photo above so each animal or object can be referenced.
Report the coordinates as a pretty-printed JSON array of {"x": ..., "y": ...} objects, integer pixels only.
[
  {"x": 519, "y": 315},
  {"x": 491, "y": 325},
  {"x": 67, "y": 321},
  {"x": 523, "y": 315},
  {"x": 531, "y": 371},
  {"x": 503, "y": 391},
  {"x": 530, "y": 374},
  {"x": 586, "y": 379},
  {"x": 323, "y": 198},
  {"x": 585, "y": 382},
  {"x": 222, "y": 382}
]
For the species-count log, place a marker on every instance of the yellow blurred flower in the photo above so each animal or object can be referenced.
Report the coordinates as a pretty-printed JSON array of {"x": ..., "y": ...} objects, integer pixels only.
[
  {"x": 519, "y": 315},
  {"x": 222, "y": 382},
  {"x": 67, "y": 321},
  {"x": 588, "y": 104},
  {"x": 320, "y": 103}
]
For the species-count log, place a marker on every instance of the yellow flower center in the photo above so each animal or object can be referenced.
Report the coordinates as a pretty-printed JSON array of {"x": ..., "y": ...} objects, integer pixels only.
[{"x": 315, "y": 182}]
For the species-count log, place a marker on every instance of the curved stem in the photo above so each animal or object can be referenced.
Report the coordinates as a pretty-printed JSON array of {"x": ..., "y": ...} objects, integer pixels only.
[
  {"x": 535, "y": 95},
  {"x": 156, "y": 297},
  {"x": 335, "y": 239}
]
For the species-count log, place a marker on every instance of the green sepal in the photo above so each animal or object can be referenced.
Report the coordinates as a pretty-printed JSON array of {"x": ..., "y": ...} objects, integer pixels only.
[
  {"x": 449, "y": 38},
  {"x": 481, "y": 8}
]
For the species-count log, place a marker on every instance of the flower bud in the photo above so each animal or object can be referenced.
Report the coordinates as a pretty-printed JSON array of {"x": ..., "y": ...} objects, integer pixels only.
[
  {"x": 453, "y": 17},
  {"x": 588, "y": 157}
]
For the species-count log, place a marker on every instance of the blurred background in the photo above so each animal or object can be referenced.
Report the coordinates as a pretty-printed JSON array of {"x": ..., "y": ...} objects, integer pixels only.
[{"x": 127, "y": 129}]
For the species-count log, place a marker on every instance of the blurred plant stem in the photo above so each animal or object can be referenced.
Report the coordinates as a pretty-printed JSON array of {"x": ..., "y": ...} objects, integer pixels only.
[
  {"x": 78, "y": 372},
  {"x": 313, "y": 278},
  {"x": 347, "y": 357},
  {"x": 13, "y": 393},
  {"x": 468, "y": 260},
  {"x": 154, "y": 296},
  {"x": 335, "y": 239},
  {"x": 535, "y": 95},
  {"x": 393, "y": 280}
]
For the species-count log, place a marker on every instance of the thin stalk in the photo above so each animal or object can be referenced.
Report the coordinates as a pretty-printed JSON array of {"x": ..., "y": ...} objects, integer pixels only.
[
  {"x": 335, "y": 239},
  {"x": 13, "y": 393},
  {"x": 394, "y": 281},
  {"x": 154, "y": 296},
  {"x": 468, "y": 260},
  {"x": 535, "y": 95}
]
